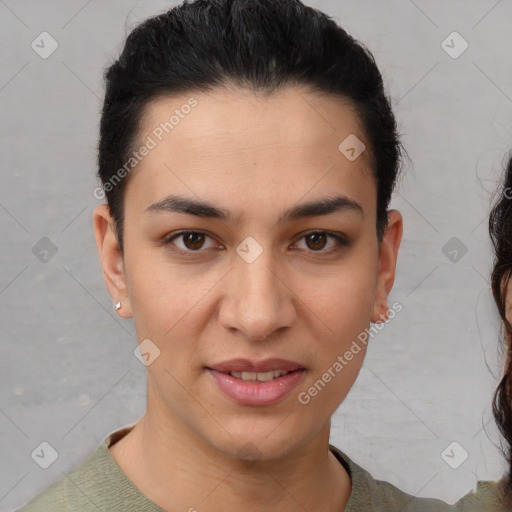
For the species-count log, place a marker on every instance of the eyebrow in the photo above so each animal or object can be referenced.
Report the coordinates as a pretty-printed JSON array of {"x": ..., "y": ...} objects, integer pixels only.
[{"x": 324, "y": 206}]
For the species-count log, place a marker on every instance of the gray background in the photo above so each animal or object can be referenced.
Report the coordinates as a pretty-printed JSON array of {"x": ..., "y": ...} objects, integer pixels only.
[{"x": 68, "y": 375}]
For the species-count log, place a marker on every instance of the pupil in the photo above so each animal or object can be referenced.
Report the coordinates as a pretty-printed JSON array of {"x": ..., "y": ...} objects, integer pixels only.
[
  {"x": 194, "y": 240},
  {"x": 314, "y": 238}
]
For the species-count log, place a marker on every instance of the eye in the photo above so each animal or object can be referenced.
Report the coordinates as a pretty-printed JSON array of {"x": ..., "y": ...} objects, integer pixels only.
[
  {"x": 316, "y": 241},
  {"x": 190, "y": 241},
  {"x": 196, "y": 241}
]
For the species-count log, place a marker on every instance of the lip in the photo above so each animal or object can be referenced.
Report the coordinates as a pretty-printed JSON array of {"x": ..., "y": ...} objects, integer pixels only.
[{"x": 256, "y": 393}]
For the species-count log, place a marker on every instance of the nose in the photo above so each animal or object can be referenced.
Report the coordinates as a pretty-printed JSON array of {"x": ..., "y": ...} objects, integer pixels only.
[{"x": 257, "y": 300}]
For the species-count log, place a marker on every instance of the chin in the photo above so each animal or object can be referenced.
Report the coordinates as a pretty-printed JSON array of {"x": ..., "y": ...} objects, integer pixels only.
[{"x": 255, "y": 446}]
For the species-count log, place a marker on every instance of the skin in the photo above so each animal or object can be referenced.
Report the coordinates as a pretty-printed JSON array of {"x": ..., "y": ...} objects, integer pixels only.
[
  {"x": 508, "y": 302},
  {"x": 255, "y": 156}
]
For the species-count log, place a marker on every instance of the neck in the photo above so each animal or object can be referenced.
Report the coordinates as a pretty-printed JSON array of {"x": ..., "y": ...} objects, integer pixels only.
[{"x": 179, "y": 471}]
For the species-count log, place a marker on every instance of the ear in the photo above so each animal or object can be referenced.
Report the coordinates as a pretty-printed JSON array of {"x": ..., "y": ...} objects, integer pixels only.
[
  {"x": 388, "y": 254},
  {"x": 111, "y": 258}
]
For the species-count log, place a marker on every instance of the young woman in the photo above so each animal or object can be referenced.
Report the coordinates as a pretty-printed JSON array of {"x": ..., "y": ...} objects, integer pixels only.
[
  {"x": 248, "y": 154},
  {"x": 500, "y": 230}
]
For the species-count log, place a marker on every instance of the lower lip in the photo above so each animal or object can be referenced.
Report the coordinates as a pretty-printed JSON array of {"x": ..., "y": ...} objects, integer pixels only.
[{"x": 255, "y": 392}]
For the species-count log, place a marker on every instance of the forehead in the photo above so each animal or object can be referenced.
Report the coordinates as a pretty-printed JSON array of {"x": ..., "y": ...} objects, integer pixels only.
[
  {"x": 250, "y": 144},
  {"x": 291, "y": 116}
]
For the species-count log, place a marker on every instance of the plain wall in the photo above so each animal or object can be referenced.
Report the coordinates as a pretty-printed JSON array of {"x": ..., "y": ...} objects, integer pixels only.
[{"x": 68, "y": 375}]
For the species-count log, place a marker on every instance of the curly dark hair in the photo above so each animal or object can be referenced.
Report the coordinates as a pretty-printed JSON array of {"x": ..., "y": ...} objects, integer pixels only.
[
  {"x": 263, "y": 45},
  {"x": 500, "y": 230}
]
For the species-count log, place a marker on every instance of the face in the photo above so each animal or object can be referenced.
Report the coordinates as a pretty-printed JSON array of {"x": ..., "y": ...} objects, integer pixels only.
[{"x": 250, "y": 252}]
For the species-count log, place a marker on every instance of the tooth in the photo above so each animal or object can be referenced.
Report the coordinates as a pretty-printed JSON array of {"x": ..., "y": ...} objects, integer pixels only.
[
  {"x": 265, "y": 376},
  {"x": 258, "y": 376}
]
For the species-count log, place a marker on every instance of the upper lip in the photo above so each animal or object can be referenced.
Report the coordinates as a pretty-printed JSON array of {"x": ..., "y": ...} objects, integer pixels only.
[{"x": 246, "y": 365}]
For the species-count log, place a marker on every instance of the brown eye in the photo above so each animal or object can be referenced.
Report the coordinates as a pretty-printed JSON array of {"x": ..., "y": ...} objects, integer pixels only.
[
  {"x": 193, "y": 241},
  {"x": 190, "y": 241},
  {"x": 316, "y": 241}
]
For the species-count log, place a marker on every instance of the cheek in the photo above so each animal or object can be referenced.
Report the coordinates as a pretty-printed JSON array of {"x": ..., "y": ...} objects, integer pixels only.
[
  {"x": 352, "y": 300},
  {"x": 346, "y": 316},
  {"x": 329, "y": 385},
  {"x": 160, "y": 295},
  {"x": 344, "y": 299}
]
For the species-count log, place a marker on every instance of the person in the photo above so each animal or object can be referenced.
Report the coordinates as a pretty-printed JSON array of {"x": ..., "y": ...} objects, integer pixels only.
[
  {"x": 248, "y": 154},
  {"x": 500, "y": 231},
  {"x": 499, "y": 497}
]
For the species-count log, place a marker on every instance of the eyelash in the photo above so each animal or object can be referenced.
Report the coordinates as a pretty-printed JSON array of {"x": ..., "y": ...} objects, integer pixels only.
[{"x": 341, "y": 241}]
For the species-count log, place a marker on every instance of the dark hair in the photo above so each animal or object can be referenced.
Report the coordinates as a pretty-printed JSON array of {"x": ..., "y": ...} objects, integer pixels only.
[
  {"x": 500, "y": 230},
  {"x": 259, "y": 44}
]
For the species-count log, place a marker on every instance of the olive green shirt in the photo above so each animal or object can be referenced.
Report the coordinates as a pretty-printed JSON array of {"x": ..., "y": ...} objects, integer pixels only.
[{"x": 99, "y": 484}]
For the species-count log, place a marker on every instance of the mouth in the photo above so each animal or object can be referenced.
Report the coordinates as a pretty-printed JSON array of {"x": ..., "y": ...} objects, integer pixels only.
[
  {"x": 263, "y": 371},
  {"x": 256, "y": 383}
]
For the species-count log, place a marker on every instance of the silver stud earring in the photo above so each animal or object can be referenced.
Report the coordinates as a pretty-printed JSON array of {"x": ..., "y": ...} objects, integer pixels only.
[{"x": 118, "y": 305}]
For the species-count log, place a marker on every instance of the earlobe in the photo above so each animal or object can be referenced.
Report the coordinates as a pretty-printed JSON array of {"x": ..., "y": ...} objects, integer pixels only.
[
  {"x": 388, "y": 255},
  {"x": 111, "y": 258}
]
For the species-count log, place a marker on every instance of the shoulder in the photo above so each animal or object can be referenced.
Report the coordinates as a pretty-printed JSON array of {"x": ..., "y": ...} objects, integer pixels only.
[
  {"x": 96, "y": 484},
  {"x": 487, "y": 497},
  {"x": 83, "y": 488},
  {"x": 369, "y": 494},
  {"x": 72, "y": 491}
]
